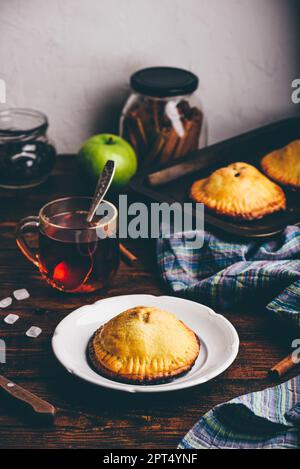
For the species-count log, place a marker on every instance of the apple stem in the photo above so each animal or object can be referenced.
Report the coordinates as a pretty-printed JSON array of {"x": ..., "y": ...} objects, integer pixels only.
[{"x": 110, "y": 141}]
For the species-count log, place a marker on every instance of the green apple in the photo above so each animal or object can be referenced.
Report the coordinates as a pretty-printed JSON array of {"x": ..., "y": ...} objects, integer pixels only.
[{"x": 97, "y": 150}]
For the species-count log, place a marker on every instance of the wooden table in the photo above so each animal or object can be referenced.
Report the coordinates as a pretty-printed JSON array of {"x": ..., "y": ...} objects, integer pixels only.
[{"x": 91, "y": 417}]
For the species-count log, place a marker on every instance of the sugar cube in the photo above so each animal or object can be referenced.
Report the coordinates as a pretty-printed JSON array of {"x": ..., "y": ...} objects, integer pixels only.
[
  {"x": 5, "y": 302},
  {"x": 33, "y": 332},
  {"x": 11, "y": 318},
  {"x": 21, "y": 294}
]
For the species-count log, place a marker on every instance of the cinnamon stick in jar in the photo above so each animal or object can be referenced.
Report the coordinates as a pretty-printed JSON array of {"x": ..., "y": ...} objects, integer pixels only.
[
  {"x": 184, "y": 141},
  {"x": 161, "y": 118},
  {"x": 169, "y": 148},
  {"x": 155, "y": 150}
]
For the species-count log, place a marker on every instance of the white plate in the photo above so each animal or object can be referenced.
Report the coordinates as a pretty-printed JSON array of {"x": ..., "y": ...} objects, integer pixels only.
[{"x": 219, "y": 339}]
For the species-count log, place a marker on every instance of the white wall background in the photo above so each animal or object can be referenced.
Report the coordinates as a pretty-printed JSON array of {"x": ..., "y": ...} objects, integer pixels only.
[{"x": 72, "y": 58}]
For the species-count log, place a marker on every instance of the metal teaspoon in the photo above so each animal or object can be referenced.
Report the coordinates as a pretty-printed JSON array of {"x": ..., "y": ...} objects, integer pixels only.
[{"x": 102, "y": 187}]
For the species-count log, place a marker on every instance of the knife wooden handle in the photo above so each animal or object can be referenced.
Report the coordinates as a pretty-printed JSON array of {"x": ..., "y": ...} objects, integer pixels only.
[{"x": 37, "y": 405}]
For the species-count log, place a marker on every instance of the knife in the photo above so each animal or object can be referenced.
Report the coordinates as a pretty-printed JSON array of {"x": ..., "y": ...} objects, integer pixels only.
[{"x": 37, "y": 406}]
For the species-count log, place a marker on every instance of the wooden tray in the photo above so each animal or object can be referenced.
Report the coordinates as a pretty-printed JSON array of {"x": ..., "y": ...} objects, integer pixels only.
[{"x": 171, "y": 183}]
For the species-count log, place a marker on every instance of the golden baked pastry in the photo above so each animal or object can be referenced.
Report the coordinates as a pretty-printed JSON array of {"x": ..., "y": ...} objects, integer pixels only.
[
  {"x": 239, "y": 191},
  {"x": 143, "y": 345},
  {"x": 283, "y": 165}
]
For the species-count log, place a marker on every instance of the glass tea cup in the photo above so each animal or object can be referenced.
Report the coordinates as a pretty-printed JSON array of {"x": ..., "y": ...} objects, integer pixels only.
[{"x": 73, "y": 255}]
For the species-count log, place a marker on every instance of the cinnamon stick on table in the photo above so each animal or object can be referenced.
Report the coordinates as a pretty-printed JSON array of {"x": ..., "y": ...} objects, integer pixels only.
[
  {"x": 128, "y": 255},
  {"x": 285, "y": 365}
]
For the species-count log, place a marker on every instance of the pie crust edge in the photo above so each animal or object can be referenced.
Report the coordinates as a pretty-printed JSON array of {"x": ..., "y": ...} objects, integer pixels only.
[{"x": 277, "y": 176}]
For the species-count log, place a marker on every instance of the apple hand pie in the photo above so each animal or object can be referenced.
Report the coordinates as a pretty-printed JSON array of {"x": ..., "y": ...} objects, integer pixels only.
[
  {"x": 143, "y": 345},
  {"x": 239, "y": 191},
  {"x": 283, "y": 165}
]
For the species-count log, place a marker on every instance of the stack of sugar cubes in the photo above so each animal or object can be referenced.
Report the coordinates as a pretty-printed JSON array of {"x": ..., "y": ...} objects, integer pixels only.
[{"x": 19, "y": 295}]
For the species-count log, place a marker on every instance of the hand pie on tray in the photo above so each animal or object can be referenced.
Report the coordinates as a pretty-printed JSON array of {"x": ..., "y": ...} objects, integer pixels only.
[
  {"x": 239, "y": 191},
  {"x": 283, "y": 165},
  {"x": 143, "y": 345}
]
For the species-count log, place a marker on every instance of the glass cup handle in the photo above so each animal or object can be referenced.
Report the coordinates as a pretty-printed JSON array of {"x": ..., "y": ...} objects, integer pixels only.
[{"x": 27, "y": 225}]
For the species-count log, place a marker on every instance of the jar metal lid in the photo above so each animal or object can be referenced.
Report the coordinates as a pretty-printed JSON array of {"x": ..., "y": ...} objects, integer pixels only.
[{"x": 164, "y": 81}]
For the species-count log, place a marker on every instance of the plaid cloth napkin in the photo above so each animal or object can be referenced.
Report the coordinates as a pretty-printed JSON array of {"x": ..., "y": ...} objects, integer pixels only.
[
  {"x": 227, "y": 272},
  {"x": 261, "y": 420}
]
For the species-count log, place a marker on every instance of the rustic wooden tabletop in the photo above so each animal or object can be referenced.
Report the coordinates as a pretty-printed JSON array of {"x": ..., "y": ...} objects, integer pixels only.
[{"x": 91, "y": 417}]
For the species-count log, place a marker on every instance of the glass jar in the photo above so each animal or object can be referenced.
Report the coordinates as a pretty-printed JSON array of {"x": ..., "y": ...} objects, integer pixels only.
[
  {"x": 163, "y": 118},
  {"x": 26, "y": 155}
]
